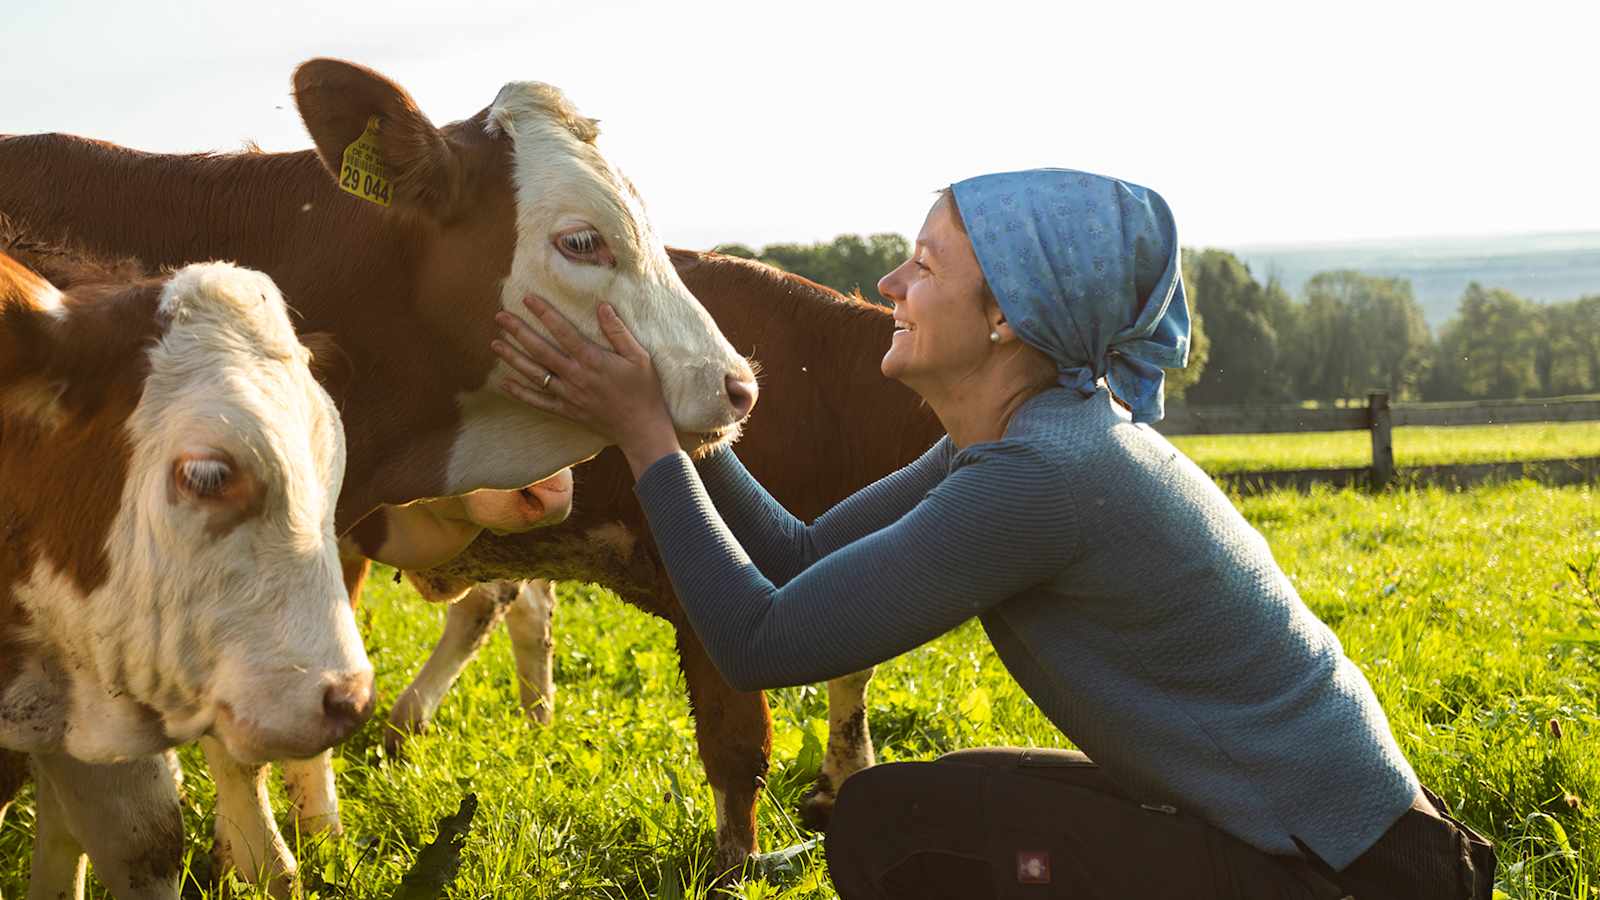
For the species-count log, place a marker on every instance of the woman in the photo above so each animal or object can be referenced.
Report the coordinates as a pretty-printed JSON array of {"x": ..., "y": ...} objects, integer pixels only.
[{"x": 1236, "y": 751}]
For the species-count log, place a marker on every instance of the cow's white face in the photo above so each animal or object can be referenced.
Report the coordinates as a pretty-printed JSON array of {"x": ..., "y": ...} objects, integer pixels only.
[
  {"x": 583, "y": 238},
  {"x": 225, "y": 609}
]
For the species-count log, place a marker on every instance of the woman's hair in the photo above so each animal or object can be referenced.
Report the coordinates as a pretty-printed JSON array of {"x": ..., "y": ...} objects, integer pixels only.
[{"x": 948, "y": 195}]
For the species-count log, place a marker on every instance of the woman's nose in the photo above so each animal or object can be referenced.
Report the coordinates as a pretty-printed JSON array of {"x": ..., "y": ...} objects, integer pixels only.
[{"x": 889, "y": 287}]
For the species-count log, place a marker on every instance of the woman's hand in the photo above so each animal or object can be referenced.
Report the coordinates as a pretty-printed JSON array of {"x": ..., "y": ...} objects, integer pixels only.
[{"x": 613, "y": 392}]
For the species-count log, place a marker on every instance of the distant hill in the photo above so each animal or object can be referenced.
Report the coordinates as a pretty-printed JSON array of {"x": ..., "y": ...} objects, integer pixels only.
[{"x": 1542, "y": 267}]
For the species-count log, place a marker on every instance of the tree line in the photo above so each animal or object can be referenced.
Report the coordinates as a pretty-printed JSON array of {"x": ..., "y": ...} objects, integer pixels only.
[
  {"x": 1346, "y": 334},
  {"x": 1350, "y": 332}
]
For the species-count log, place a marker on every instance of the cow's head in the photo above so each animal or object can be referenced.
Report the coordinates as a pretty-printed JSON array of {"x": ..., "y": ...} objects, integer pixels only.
[
  {"x": 217, "y": 602},
  {"x": 518, "y": 200},
  {"x": 539, "y": 505},
  {"x": 430, "y": 533}
]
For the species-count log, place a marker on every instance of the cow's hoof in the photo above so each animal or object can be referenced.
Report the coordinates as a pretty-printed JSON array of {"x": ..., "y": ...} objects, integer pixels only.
[
  {"x": 323, "y": 825},
  {"x": 278, "y": 878},
  {"x": 729, "y": 865},
  {"x": 816, "y": 805},
  {"x": 395, "y": 738}
]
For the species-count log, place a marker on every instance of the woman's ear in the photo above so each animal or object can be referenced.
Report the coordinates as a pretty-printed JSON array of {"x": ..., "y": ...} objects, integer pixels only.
[{"x": 1000, "y": 331}]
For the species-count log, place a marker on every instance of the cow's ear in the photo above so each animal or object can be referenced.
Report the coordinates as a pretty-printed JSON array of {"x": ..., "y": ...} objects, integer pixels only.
[
  {"x": 338, "y": 99},
  {"x": 329, "y": 364},
  {"x": 27, "y": 330}
]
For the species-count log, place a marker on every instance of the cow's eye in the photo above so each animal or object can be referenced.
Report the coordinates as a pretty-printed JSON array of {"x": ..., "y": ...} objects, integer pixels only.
[
  {"x": 584, "y": 245},
  {"x": 203, "y": 477}
]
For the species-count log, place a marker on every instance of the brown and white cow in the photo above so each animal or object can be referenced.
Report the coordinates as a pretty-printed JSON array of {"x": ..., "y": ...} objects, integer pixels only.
[
  {"x": 168, "y": 562},
  {"x": 246, "y": 835},
  {"x": 828, "y": 425},
  {"x": 516, "y": 199}
]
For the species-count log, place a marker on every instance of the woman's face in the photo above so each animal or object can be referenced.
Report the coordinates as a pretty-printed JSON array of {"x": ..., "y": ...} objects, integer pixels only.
[{"x": 941, "y": 321}]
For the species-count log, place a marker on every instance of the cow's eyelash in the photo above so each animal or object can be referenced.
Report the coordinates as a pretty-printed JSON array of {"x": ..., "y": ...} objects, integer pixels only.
[
  {"x": 583, "y": 243},
  {"x": 205, "y": 477}
]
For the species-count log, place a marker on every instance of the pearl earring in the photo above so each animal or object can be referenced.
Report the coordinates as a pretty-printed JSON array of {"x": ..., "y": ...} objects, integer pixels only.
[{"x": 994, "y": 337}]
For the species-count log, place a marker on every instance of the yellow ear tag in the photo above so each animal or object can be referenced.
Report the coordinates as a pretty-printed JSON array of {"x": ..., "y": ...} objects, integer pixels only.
[{"x": 363, "y": 172}]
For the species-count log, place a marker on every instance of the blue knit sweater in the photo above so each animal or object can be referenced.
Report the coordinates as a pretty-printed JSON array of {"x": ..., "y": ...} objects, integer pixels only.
[{"x": 1121, "y": 588}]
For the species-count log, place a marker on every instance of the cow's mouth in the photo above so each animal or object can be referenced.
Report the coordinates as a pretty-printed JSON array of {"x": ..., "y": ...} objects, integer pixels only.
[{"x": 702, "y": 444}]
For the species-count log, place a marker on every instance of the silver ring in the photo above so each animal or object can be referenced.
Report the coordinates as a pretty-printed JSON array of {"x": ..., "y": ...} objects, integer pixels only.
[{"x": 545, "y": 384}]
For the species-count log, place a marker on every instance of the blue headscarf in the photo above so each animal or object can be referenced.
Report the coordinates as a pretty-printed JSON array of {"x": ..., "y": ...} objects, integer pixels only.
[{"x": 1085, "y": 269}]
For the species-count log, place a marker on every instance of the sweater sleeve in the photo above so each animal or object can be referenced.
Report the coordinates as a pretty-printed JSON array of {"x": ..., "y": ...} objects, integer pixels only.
[
  {"x": 779, "y": 544},
  {"x": 998, "y": 524}
]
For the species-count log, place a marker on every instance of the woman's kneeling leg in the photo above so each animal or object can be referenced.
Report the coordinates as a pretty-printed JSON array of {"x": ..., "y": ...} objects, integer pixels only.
[{"x": 1011, "y": 823}]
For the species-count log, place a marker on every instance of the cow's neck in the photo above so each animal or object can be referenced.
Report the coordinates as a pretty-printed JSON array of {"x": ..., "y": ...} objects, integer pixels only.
[
  {"x": 257, "y": 209},
  {"x": 883, "y": 420},
  {"x": 829, "y": 348},
  {"x": 282, "y": 214}
]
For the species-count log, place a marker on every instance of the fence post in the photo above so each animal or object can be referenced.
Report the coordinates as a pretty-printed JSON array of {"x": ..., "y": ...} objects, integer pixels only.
[{"x": 1382, "y": 439}]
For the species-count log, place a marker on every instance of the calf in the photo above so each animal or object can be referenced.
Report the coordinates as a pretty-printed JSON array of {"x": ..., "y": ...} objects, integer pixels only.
[
  {"x": 247, "y": 839},
  {"x": 829, "y": 424},
  {"x": 168, "y": 560}
]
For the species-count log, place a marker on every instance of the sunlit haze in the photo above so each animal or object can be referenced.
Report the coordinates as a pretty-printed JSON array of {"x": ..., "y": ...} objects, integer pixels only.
[{"x": 1261, "y": 123}]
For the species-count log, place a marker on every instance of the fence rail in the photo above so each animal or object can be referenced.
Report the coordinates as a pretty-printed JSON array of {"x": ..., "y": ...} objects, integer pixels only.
[{"x": 1379, "y": 418}]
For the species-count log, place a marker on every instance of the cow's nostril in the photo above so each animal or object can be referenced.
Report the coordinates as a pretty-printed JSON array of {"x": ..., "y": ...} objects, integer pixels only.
[
  {"x": 348, "y": 702},
  {"x": 742, "y": 394}
]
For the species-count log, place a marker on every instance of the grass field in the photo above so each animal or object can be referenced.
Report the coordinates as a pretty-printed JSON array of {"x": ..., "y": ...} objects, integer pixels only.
[
  {"x": 1412, "y": 446},
  {"x": 1460, "y": 608}
]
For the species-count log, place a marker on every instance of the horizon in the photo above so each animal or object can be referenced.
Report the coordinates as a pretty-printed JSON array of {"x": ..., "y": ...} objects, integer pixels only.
[{"x": 1353, "y": 243}]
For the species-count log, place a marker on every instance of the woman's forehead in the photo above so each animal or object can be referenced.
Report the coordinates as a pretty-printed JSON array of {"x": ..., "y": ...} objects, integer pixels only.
[{"x": 938, "y": 229}]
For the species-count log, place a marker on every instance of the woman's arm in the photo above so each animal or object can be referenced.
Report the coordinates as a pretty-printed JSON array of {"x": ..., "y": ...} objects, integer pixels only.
[
  {"x": 1000, "y": 523},
  {"x": 782, "y": 546}
]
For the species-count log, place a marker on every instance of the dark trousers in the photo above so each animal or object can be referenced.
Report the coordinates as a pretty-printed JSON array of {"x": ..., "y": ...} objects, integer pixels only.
[{"x": 1013, "y": 823}]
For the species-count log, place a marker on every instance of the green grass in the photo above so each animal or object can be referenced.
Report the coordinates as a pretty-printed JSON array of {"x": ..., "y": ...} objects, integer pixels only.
[
  {"x": 1452, "y": 603},
  {"x": 1412, "y": 446}
]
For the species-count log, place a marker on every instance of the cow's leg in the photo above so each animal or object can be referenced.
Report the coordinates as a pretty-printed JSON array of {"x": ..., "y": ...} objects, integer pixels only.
[
  {"x": 529, "y": 620},
  {"x": 734, "y": 732},
  {"x": 312, "y": 795},
  {"x": 467, "y": 625},
  {"x": 309, "y": 782},
  {"x": 59, "y": 862},
  {"x": 126, "y": 816},
  {"x": 247, "y": 836},
  {"x": 13, "y": 775},
  {"x": 849, "y": 747}
]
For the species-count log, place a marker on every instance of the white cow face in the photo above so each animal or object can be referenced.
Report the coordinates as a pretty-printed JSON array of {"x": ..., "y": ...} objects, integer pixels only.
[
  {"x": 583, "y": 238},
  {"x": 226, "y": 597},
  {"x": 516, "y": 200}
]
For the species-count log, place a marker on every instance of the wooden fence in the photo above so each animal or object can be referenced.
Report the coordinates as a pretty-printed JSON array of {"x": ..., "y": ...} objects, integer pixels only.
[{"x": 1380, "y": 418}]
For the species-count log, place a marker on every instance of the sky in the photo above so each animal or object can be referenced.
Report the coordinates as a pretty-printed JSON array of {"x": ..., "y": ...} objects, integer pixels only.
[{"x": 756, "y": 122}]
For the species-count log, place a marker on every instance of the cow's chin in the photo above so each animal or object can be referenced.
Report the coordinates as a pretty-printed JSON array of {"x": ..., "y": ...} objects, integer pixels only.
[
  {"x": 249, "y": 743},
  {"x": 183, "y": 726},
  {"x": 702, "y": 444}
]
